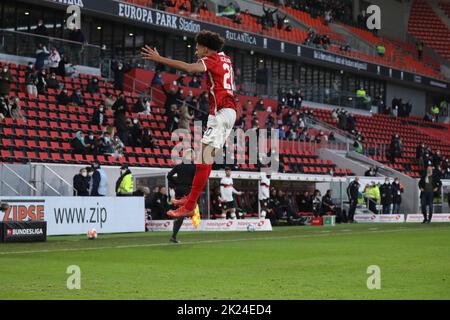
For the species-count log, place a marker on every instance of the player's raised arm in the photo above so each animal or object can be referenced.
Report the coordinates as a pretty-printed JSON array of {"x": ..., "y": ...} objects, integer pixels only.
[{"x": 152, "y": 54}]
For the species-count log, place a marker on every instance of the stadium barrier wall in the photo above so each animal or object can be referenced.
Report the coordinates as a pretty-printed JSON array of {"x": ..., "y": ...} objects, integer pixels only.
[
  {"x": 75, "y": 215},
  {"x": 212, "y": 225}
]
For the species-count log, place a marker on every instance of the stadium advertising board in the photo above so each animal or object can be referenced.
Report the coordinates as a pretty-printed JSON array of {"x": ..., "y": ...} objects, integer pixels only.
[
  {"x": 437, "y": 217},
  {"x": 171, "y": 22},
  {"x": 213, "y": 225},
  {"x": 23, "y": 231},
  {"x": 379, "y": 218},
  {"x": 75, "y": 215}
]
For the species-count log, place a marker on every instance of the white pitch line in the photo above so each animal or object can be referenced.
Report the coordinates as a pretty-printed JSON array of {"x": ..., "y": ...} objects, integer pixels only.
[{"x": 211, "y": 241}]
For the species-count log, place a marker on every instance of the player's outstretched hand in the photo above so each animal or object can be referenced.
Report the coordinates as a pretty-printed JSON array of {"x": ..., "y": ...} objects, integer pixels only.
[{"x": 149, "y": 53}]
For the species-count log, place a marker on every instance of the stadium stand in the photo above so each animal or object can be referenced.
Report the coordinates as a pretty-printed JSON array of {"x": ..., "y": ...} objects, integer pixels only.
[{"x": 426, "y": 25}]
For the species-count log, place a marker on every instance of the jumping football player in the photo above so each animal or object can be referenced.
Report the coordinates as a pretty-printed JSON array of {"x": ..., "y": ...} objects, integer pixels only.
[{"x": 222, "y": 107}]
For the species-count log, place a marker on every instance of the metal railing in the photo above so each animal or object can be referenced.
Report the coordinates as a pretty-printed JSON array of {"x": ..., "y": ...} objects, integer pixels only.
[
  {"x": 4, "y": 167},
  {"x": 25, "y": 44},
  {"x": 60, "y": 179}
]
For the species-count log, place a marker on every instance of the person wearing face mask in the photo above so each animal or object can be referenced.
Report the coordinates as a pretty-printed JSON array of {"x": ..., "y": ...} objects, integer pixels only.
[
  {"x": 52, "y": 82},
  {"x": 99, "y": 117},
  {"x": 93, "y": 86},
  {"x": 386, "y": 196},
  {"x": 77, "y": 98},
  {"x": 119, "y": 73},
  {"x": 124, "y": 185},
  {"x": 5, "y": 81},
  {"x": 81, "y": 183},
  {"x": 99, "y": 181},
  {"x": 185, "y": 118},
  {"x": 136, "y": 133},
  {"x": 397, "y": 190},
  {"x": 147, "y": 140},
  {"x": 63, "y": 98},
  {"x": 90, "y": 144},
  {"x": 106, "y": 144},
  {"x": 78, "y": 144}
]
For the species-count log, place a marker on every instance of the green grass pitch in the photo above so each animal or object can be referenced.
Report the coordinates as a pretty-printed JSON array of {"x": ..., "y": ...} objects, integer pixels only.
[{"x": 327, "y": 262}]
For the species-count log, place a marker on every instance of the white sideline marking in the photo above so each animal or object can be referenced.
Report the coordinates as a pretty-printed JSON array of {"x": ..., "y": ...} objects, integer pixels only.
[{"x": 214, "y": 241}]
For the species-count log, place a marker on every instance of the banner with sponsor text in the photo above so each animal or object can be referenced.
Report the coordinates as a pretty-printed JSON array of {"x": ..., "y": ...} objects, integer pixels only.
[
  {"x": 75, "y": 215},
  {"x": 212, "y": 225}
]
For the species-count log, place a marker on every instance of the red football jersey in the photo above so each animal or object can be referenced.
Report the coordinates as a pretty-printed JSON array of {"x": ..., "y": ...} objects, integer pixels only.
[{"x": 220, "y": 81}]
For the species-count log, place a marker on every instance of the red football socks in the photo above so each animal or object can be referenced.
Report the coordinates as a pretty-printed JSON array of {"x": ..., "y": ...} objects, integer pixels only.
[{"x": 202, "y": 173}]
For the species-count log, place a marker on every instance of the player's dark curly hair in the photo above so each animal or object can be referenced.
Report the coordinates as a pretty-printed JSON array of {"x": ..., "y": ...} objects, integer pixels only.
[{"x": 210, "y": 40}]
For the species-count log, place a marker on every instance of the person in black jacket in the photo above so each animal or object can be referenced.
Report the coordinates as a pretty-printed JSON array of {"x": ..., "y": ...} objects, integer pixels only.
[
  {"x": 158, "y": 204},
  {"x": 386, "y": 196},
  {"x": 352, "y": 193},
  {"x": 99, "y": 117},
  {"x": 429, "y": 184},
  {"x": 63, "y": 98},
  {"x": 182, "y": 184},
  {"x": 81, "y": 183},
  {"x": 397, "y": 190},
  {"x": 120, "y": 109}
]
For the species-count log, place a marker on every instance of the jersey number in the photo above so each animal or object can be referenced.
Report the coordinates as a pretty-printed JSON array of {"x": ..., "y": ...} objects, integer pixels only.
[{"x": 228, "y": 77}]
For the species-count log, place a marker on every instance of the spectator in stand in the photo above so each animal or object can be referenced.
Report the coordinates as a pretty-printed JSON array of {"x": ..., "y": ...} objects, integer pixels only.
[
  {"x": 93, "y": 86},
  {"x": 397, "y": 190},
  {"x": 119, "y": 74},
  {"x": 90, "y": 144},
  {"x": 139, "y": 106},
  {"x": 147, "y": 139},
  {"x": 52, "y": 82},
  {"x": 280, "y": 20},
  {"x": 185, "y": 118},
  {"x": 120, "y": 109},
  {"x": 173, "y": 97},
  {"x": 429, "y": 184},
  {"x": 118, "y": 146},
  {"x": 63, "y": 98},
  {"x": 136, "y": 134},
  {"x": 180, "y": 81},
  {"x": 99, "y": 117},
  {"x": 395, "y": 148},
  {"x": 195, "y": 82},
  {"x": 81, "y": 183},
  {"x": 77, "y": 97},
  {"x": 78, "y": 144},
  {"x": 124, "y": 185},
  {"x": 106, "y": 143},
  {"x": 5, "y": 111},
  {"x": 99, "y": 181},
  {"x": 61, "y": 71},
  {"x": 268, "y": 19},
  {"x": 229, "y": 11},
  {"x": 157, "y": 79},
  {"x": 41, "y": 82},
  {"x": 16, "y": 111},
  {"x": 110, "y": 100},
  {"x": 41, "y": 55},
  {"x": 30, "y": 80},
  {"x": 352, "y": 193},
  {"x": 420, "y": 153},
  {"x": 372, "y": 172},
  {"x": 419, "y": 45},
  {"x": 381, "y": 50},
  {"x": 386, "y": 196},
  {"x": 437, "y": 159},
  {"x": 5, "y": 81},
  {"x": 54, "y": 59}
]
